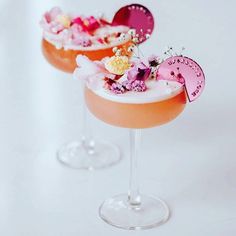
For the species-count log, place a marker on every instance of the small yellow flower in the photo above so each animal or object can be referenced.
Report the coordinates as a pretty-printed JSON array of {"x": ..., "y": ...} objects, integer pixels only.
[
  {"x": 118, "y": 65},
  {"x": 64, "y": 20}
]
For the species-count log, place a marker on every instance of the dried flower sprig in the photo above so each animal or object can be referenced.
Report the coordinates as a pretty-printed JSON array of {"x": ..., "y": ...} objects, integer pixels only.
[
  {"x": 134, "y": 47},
  {"x": 170, "y": 52},
  {"x": 130, "y": 77},
  {"x": 121, "y": 73}
]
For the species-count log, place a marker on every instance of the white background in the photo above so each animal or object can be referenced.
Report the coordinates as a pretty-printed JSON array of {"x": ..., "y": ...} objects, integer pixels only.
[{"x": 190, "y": 162}]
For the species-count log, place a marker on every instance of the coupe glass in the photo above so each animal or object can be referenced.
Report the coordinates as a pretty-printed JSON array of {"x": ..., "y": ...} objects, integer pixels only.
[
  {"x": 135, "y": 210},
  {"x": 86, "y": 153}
]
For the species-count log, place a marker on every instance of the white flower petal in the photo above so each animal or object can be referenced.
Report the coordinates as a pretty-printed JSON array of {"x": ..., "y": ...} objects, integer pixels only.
[
  {"x": 95, "y": 82},
  {"x": 85, "y": 68}
]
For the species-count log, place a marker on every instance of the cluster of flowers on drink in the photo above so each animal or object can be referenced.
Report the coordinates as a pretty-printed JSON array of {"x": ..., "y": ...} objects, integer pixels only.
[
  {"x": 125, "y": 71},
  {"x": 77, "y": 30}
]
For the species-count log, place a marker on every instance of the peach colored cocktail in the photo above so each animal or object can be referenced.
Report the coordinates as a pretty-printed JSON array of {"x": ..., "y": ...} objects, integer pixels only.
[
  {"x": 138, "y": 93},
  {"x": 136, "y": 115},
  {"x": 129, "y": 93},
  {"x": 65, "y": 60},
  {"x": 65, "y": 36}
]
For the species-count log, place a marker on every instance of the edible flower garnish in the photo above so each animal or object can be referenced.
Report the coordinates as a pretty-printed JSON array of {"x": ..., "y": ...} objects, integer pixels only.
[
  {"x": 126, "y": 71},
  {"x": 139, "y": 71},
  {"x": 117, "y": 64},
  {"x": 68, "y": 30},
  {"x": 93, "y": 72},
  {"x": 121, "y": 72},
  {"x": 64, "y": 20},
  {"x": 88, "y": 24},
  {"x": 49, "y": 21}
]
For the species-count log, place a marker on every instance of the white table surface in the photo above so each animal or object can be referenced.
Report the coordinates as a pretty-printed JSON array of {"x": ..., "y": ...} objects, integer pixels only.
[{"x": 190, "y": 162}]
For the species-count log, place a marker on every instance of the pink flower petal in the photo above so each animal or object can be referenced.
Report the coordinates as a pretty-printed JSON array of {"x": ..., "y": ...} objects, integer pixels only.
[{"x": 93, "y": 72}]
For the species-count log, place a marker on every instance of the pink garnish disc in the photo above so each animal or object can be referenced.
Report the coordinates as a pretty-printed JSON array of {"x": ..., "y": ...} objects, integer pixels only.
[
  {"x": 184, "y": 70},
  {"x": 137, "y": 17}
]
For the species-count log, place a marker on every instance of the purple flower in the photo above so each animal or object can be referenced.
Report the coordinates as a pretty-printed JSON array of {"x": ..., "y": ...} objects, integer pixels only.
[
  {"x": 136, "y": 77},
  {"x": 136, "y": 86},
  {"x": 114, "y": 86},
  {"x": 128, "y": 84},
  {"x": 117, "y": 88},
  {"x": 139, "y": 86},
  {"x": 154, "y": 61},
  {"x": 139, "y": 72}
]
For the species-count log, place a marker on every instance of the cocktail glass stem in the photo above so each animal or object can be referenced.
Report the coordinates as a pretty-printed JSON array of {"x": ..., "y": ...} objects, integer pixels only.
[
  {"x": 88, "y": 153},
  {"x": 138, "y": 211},
  {"x": 135, "y": 142},
  {"x": 87, "y": 136}
]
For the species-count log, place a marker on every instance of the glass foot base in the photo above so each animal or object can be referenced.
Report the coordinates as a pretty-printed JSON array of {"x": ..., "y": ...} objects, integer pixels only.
[
  {"x": 118, "y": 212},
  {"x": 89, "y": 155}
]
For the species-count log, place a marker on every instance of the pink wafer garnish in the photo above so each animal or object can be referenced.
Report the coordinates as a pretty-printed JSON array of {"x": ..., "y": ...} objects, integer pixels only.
[
  {"x": 186, "y": 71},
  {"x": 136, "y": 17}
]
